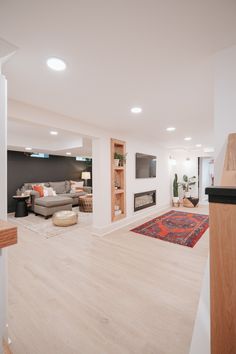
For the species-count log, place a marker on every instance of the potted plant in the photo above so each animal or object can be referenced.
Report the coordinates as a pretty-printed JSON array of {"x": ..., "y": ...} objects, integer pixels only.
[
  {"x": 116, "y": 159},
  {"x": 186, "y": 185},
  {"x": 119, "y": 159},
  {"x": 176, "y": 190}
]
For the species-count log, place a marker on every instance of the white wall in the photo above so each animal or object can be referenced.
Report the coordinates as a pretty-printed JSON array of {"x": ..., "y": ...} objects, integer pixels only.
[
  {"x": 101, "y": 183},
  {"x": 224, "y": 104},
  {"x": 161, "y": 183}
]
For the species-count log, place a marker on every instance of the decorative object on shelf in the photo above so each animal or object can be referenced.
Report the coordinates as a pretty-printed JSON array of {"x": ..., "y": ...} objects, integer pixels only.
[
  {"x": 23, "y": 191},
  {"x": 117, "y": 184},
  {"x": 120, "y": 159},
  {"x": 190, "y": 202},
  {"x": 117, "y": 212},
  {"x": 86, "y": 175},
  {"x": 176, "y": 202},
  {"x": 116, "y": 160}
]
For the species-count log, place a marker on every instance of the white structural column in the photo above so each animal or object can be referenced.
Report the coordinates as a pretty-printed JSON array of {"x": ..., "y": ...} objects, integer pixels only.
[
  {"x": 3, "y": 203},
  {"x": 101, "y": 184},
  {"x": 224, "y": 124}
]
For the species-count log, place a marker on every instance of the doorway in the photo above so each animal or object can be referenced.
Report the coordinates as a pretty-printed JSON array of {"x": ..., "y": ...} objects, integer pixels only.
[{"x": 205, "y": 176}]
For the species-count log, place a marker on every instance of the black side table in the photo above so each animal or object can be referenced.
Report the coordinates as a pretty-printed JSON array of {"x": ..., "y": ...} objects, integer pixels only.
[{"x": 21, "y": 206}]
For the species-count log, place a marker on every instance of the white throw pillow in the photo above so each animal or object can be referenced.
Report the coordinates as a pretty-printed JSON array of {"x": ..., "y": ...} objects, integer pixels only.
[
  {"x": 48, "y": 192},
  {"x": 45, "y": 192},
  {"x": 75, "y": 184}
]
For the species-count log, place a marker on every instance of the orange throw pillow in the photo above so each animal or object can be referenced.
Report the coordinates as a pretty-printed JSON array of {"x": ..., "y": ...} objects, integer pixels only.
[{"x": 39, "y": 189}]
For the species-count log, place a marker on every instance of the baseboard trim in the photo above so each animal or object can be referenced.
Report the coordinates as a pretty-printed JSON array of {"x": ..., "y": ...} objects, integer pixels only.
[{"x": 102, "y": 231}]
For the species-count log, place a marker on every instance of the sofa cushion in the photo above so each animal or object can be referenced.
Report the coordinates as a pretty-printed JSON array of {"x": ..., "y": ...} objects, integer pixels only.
[
  {"x": 59, "y": 187},
  {"x": 77, "y": 184},
  {"x": 68, "y": 186},
  {"x": 53, "y": 201},
  {"x": 73, "y": 194},
  {"x": 74, "y": 190}
]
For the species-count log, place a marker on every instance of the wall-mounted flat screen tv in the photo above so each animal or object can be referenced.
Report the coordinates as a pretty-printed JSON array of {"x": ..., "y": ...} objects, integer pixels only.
[{"x": 146, "y": 166}]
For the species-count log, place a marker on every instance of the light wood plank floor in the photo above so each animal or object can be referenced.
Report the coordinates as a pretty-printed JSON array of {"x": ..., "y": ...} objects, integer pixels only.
[{"x": 119, "y": 294}]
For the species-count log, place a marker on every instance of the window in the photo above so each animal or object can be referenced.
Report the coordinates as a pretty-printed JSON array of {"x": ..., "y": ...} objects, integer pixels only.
[{"x": 42, "y": 156}]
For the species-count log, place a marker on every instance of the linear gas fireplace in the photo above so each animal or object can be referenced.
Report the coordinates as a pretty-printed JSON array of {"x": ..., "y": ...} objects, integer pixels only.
[{"x": 144, "y": 200}]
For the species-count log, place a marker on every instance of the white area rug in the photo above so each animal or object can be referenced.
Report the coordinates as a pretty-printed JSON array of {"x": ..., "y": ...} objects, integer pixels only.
[{"x": 46, "y": 228}]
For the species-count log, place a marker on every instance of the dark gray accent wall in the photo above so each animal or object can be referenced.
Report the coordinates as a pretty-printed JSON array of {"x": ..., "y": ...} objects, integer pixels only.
[{"x": 23, "y": 168}]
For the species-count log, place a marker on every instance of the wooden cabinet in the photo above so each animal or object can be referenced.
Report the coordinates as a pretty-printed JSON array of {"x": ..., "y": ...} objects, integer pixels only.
[{"x": 118, "y": 188}]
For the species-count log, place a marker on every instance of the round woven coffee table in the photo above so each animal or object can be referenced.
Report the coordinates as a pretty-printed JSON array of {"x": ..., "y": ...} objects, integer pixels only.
[
  {"x": 65, "y": 218},
  {"x": 86, "y": 203}
]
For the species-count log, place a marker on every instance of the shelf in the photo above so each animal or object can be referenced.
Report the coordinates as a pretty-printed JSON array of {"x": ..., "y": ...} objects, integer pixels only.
[
  {"x": 120, "y": 168},
  {"x": 8, "y": 234},
  {"x": 118, "y": 196},
  {"x": 118, "y": 143},
  {"x": 119, "y": 191},
  {"x": 118, "y": 217}
]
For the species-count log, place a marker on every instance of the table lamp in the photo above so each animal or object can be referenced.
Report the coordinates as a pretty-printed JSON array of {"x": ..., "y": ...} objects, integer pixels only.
[{"x": 86, "y": 175}]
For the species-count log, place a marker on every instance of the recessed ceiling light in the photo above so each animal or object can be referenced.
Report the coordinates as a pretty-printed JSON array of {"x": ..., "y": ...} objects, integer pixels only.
[
  {"x": 188, "y": 138},
  {"x": 28, "y": 148},
  {"x": 56, "y": 64},
  {"x": 136, "y": 110},
  {"x": 68, "y": 153},
  {"x": 198, "y": 145},
  {"x": 53, "y": 132},
  {"x": 170, "y": 129}
]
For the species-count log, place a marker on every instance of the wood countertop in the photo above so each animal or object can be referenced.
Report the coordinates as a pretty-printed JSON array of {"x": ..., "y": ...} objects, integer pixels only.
[{"x": 8, "y": 234}]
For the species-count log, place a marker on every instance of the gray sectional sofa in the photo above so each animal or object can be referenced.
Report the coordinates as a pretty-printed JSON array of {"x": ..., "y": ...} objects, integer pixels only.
[{"x": 64, "y": 199}]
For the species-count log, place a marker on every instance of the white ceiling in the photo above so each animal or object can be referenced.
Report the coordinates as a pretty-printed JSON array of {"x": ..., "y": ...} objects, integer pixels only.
[
  {"x": 23, "y": 134},
  {"x": 151, "y": 53}
]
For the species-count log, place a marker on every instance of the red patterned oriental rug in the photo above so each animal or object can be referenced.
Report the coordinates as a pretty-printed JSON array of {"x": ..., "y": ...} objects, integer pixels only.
[{"x": 176, "y": 227}]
